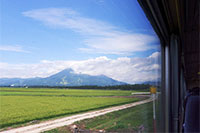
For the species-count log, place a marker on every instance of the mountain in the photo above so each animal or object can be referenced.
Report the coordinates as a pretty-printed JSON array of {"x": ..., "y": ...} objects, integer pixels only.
[
  {"x": 157, "y": 83},
  {"x": 66, "y": 77}
]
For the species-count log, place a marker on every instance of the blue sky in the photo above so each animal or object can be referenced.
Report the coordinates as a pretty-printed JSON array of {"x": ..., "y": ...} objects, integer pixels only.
[{"x": 42, "y": 31}]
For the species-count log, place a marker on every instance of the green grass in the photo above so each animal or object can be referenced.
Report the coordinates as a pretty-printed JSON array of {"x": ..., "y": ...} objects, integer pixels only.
[
  {"x": 20, "y": 105},
  {"x": 64, "y": 129},
  {"x": 128, "y": 120},
  {"x": 62, "y": 92}
]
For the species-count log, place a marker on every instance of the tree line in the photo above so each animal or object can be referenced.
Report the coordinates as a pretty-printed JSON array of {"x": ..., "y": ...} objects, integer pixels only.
[{"x": 140, "y": 87}]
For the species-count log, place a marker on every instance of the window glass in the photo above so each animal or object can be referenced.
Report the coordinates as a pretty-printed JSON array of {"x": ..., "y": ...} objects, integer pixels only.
[{"x": 101, "y": 49}]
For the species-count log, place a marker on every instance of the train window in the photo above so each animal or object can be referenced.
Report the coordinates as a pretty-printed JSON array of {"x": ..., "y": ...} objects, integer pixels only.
[{"x": 63, "y": 58}]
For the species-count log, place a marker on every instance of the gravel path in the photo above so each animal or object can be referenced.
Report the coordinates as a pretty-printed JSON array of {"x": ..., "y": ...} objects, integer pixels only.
[{"x": 51, "y": 124}]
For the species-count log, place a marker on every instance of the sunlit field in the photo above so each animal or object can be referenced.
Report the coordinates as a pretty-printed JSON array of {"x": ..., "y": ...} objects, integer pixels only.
[
  {"x": 22, "y": 105},
  {"x": 62, "y": 92}
]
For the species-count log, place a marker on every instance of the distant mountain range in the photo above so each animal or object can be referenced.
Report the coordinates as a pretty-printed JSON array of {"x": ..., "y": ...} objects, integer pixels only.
[
  {"x": 157, "y": 83},
  {"x": 66, "y": 77}
]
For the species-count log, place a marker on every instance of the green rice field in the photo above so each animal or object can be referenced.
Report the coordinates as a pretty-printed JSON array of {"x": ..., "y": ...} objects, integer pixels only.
[{"x": 22, "y": 105}]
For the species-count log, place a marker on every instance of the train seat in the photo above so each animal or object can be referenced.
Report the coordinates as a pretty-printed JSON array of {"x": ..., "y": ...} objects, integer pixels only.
[{"x": 192, "y": 115}]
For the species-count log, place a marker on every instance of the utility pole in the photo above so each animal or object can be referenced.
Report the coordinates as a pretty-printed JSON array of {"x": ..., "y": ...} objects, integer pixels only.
[{"x": 153, "y": 95}]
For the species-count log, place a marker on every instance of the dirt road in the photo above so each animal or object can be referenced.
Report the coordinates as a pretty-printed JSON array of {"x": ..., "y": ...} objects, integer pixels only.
[{"x": 51, "y": 124}]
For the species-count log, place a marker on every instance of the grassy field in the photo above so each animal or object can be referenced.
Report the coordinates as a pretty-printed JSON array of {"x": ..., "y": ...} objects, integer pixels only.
[
  {"x": 61, "y": 92},
  {"x": 128, "y": 120},
  {"x": 22, "y": 105}
]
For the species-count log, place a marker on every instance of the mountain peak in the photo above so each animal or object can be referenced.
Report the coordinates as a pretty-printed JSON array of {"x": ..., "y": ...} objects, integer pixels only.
[{"x": 67, "y": 70}]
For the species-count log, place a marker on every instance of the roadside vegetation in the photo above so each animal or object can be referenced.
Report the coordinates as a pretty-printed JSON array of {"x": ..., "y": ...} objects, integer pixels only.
[
  {"x": 134, "y": 119},
  {"x": 22, "y": 105}
]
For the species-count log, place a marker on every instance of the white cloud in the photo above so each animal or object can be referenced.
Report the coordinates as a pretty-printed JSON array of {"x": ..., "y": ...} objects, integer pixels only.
[
  {"x": 120, "y": 44},
  {"x": 13, "y": 48},
  {"x": 130, "y": 70},
  {"x": 100, "y": 37},
  {"x": 67, "y": 18}
]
